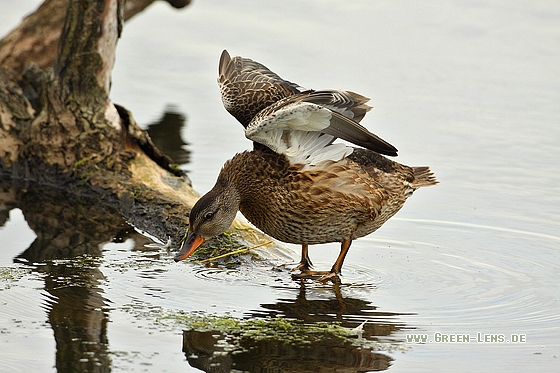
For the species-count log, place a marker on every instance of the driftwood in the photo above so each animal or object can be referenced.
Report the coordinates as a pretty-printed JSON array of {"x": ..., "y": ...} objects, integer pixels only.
[
  {"x": 36, "y": 38},
  {"x": 59, "y": 129}
]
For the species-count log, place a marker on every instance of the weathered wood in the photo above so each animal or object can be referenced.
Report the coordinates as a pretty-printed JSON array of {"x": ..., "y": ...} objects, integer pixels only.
[
  {"x": 36, "y": 38},
  {"x": 58, "y": 127},
  {"x": 86, "y": 50}
]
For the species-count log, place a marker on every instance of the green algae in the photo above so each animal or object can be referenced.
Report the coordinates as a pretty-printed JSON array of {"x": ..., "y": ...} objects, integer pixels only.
[
  {"x": 223, "y": 244},
  {"x": 83, "y": 261},
  {"x": 286, "y": 331},
  {"x": 11, "y": 275}
]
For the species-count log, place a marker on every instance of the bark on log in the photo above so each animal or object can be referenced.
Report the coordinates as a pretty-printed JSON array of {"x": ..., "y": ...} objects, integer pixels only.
[
  {"x": 36, "y": 38},
  {"x": 58, "y": 127}
]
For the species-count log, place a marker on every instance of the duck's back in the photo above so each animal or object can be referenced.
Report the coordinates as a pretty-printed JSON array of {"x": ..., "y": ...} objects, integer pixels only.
[{"x": 331, "y": 202}]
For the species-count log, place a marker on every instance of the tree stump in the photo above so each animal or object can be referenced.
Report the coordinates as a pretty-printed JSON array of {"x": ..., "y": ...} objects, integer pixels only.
[{"x": 59, "y": 129}]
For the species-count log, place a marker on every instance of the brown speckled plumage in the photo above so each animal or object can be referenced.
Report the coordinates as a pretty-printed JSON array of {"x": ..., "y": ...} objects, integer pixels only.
[
  {"x": 334, "y": 200},
  {"x": 247, "y": 87},
  {"x": 340, "y": 201}
]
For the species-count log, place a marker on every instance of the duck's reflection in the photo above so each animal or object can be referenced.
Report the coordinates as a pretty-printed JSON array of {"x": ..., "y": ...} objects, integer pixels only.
[
  {"x": 348, "y": 311},
  {"x": 210, "y": 352}
]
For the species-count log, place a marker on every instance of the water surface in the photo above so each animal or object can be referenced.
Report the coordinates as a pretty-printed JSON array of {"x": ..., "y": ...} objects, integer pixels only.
[{"x": 470, "y": 88}]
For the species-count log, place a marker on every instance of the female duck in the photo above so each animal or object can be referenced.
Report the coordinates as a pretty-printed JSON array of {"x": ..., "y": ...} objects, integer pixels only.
[{"x": 296, "y": 185}]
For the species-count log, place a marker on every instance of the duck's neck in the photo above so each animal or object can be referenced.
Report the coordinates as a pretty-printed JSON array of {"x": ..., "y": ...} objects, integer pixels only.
[
  {"x": 234, "y": 179},
  {"x": 226, "y": 189}
]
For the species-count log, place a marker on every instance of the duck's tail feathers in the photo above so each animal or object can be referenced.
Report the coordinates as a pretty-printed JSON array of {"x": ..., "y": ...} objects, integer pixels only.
[{"x": 423, "y": 176}]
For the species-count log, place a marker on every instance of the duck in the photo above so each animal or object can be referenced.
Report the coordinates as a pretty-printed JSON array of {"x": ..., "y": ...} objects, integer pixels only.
[{"x": 297, "y": 184}]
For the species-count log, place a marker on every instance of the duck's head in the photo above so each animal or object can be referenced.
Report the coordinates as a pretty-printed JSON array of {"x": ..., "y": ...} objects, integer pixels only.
[{"x": 211, "y": 215}]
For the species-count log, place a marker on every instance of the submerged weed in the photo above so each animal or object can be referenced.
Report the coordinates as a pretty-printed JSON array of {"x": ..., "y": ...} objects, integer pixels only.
[
  {"x": 9, "y": 276},
  {"x": 285, "y": 331}
]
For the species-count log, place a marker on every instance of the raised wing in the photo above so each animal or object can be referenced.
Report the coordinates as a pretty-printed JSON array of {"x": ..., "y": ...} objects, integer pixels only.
[
  {"x": 247, "y": 87},
  {"x": 347, "y": 110},
  {"x": 303, "y": 124},
  {"x": 291, "y": 120}
]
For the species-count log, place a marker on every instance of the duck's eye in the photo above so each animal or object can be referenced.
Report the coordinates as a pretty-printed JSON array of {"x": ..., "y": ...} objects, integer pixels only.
[{"x": 209, "y": 216}]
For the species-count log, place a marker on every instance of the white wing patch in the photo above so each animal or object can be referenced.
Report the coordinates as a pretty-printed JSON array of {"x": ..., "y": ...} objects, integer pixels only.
[
  {"x": 303, "y": 116},
  {"x": 313, "y": 148},
  {"x": 294, "y": 130}
]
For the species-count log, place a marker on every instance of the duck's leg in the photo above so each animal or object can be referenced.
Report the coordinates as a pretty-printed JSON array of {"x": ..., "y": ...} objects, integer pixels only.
[
  {"x": 337, "y": 266},
  {"x": 335, "y": 270},
  {"x": 305, "y": 263}
]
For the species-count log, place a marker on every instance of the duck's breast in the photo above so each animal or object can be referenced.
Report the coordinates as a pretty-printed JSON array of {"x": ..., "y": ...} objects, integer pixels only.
[{"x": 332, "y": 202}]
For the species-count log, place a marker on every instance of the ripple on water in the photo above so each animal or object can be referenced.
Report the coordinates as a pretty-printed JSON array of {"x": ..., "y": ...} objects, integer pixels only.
[
  {"x": 447, "y": 274},
  {"x": 279, "y": 275},
  {"x": 472, "y": 274},
  {"x": 256, "y": 274}
]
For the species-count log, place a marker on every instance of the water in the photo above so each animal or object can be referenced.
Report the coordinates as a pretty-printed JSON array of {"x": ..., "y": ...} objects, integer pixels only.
[{"x": 470, "y": 88}]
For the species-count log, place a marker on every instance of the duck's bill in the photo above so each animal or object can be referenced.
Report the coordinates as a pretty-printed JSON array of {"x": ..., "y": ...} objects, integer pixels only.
[{"x": 192, "y": 242}]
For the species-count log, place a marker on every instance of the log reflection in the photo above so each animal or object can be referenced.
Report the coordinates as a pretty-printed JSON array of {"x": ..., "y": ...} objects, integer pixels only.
[
  {"x": 78, "y": 315},
  {"x": 70, "y": 233},
  {"x": 166, "y": 135}
]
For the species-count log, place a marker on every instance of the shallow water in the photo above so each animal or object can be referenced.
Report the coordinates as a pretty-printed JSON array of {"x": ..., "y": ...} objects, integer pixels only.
[{"x": 471, "y": 89}]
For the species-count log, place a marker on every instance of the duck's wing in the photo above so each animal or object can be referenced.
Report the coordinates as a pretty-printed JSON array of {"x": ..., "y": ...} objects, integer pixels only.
[
  {"x": 247, "y": 87},
  {"x": 303, "y": 126},
  {"x": 284, "y": 116},
  {"x": 347, "y": 109}
]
